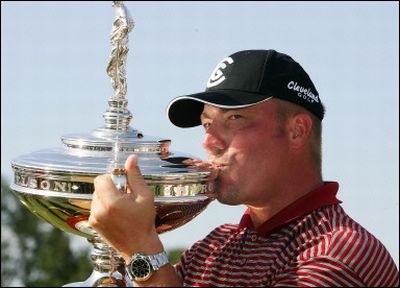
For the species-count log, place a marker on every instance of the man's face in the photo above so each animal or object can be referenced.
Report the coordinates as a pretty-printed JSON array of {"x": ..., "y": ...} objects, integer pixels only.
[{"x": 249, "y": 147}]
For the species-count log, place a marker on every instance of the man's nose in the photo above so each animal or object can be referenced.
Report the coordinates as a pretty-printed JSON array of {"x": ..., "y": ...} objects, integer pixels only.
[{"x": 213, "y": 141}]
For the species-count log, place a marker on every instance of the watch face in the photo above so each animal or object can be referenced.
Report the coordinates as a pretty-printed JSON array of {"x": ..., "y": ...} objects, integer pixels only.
[{"x": 141, "y": 269}]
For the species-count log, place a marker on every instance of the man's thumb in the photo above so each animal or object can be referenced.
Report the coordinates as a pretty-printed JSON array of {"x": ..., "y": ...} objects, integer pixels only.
[{"x": 135, "y": 179}]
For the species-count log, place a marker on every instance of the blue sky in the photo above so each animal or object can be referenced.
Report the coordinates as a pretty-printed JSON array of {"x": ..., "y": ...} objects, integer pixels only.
[{"x": 54, "y": 55}]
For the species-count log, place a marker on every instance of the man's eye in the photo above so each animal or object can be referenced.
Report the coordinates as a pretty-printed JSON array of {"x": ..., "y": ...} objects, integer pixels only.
[
  {"x": 235, "y": 117},
  {"x": 206, "y": 125}
]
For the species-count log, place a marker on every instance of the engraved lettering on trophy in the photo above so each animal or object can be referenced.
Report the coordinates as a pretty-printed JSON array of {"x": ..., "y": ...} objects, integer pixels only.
[
  {"x": 32, "y": 183},
  {"x": 168, "y": 191},
  {"x": 60, "y": 186},
  {"x": 21, "y": 180},
  {"x": 45, "y": 185},
  {"x": 204, "y": 188},
  {"x": 180, "y": 190}
]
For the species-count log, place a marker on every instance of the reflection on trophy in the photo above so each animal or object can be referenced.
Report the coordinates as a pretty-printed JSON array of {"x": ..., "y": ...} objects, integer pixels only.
[{"x": 56, "y": 184}]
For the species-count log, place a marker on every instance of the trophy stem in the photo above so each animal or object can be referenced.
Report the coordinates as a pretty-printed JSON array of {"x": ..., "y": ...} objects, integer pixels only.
[{"x": 109, "y": 267}]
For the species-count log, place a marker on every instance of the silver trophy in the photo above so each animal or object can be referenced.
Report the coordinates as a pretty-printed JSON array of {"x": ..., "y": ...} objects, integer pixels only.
[{"x": 56, "y": 184}]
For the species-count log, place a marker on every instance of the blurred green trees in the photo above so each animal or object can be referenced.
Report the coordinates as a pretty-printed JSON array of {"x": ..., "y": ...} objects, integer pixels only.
[{"x": 34, "y": 253}]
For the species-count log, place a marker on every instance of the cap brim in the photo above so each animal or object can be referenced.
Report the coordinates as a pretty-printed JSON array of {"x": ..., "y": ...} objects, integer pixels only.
[{"x": 185, "y": 111}]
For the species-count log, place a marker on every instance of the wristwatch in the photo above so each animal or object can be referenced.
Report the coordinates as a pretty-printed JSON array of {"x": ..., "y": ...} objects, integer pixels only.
[{"x": 141, "y": 267}]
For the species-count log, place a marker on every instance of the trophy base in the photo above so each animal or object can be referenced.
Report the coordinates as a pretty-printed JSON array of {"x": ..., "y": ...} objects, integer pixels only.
[
  {"x": 109, "y": 267},
  {"x": 99, "y": 279}
]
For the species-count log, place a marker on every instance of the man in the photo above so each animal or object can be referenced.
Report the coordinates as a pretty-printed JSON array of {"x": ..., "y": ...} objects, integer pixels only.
[{"x": 262, "y": 119}]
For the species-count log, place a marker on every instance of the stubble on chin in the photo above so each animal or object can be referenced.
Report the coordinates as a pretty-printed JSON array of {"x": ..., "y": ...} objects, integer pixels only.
[{"x": 228, "y": 195}]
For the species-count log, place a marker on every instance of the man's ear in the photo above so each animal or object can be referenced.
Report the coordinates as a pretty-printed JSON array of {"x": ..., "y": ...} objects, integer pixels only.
[{"x": 299, "y": 128}]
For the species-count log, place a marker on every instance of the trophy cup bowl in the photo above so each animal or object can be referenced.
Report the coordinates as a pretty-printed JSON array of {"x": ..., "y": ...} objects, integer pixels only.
[{"x": 56, "y": 184}]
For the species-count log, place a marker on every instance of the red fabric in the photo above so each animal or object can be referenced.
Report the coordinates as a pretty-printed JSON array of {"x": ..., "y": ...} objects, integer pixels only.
[
  {"x": 322, "y": 196},
  {"x": 317, "y": 245}
]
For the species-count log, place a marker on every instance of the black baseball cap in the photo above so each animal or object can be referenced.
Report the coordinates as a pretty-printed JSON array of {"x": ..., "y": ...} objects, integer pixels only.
[{"x": 246, "y": 78}]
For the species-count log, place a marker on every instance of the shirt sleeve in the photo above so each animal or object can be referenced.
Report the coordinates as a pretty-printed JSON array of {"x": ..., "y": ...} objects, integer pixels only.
[
  {"x": 186, "y": 257},
  {"x": 180, "y": 269},
  {"x": 320, "y": 272}
]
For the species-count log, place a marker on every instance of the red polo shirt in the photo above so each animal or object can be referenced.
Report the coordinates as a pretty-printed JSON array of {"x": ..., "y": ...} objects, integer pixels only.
[
  {"x": 322, "y": 196},
  {"x": 310, "y": 242}
]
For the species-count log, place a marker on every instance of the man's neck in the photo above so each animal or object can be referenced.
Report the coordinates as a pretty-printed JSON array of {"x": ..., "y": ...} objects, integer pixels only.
[{"x": 289, "y": 194}]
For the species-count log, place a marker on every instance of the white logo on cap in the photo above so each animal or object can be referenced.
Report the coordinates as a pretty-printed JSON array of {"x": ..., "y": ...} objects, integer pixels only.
[
  {"x": 217, "y": 76},
  {"x": 304, "y": 93}
]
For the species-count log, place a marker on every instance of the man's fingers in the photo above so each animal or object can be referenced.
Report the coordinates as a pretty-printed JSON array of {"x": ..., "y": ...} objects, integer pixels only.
[
  {"x": 104, "y": 196},
  {"x": 107, "y": 186},
  {"x": 136, "y": 181}
]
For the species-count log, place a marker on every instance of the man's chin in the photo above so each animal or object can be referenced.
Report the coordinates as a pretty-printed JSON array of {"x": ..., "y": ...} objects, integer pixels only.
[
  {"x": 228, "y": 202},
  {"x": 227, "y": 199}
]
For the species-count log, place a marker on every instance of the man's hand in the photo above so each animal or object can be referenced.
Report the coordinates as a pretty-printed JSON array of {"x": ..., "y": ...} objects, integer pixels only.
[{"x": 125, "y": 220}]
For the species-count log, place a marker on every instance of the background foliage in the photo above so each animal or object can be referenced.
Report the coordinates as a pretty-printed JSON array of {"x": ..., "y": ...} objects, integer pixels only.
[{"x": 34, "y": 253}]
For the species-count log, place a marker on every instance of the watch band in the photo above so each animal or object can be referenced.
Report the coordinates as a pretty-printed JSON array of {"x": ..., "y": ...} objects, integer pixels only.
[{"x": 159, "y": 260}]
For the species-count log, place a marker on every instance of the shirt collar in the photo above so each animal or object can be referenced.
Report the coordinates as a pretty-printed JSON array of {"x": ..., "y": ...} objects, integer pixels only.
[{"x": 322, "y": 196}]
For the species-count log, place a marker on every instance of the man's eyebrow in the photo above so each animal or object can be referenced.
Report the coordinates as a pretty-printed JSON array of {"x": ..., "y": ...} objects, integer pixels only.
[
  {"x": 224, "y": 111},
  {"x": 204, "y": 115}
]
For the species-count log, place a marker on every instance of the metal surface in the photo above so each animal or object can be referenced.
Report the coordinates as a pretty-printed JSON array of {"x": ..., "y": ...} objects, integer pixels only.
[
  {"x": 64, "y": 199},
  {"x": 56, "y": 184},
  {"x": 118, "y": 176}
]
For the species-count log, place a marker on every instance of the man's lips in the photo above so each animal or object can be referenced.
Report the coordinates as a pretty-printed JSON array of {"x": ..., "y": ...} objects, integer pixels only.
[
  {"x": 221, "y": 168},
  {"x": 215, "y": 167},
  {"x": 220, "y": 165}
]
